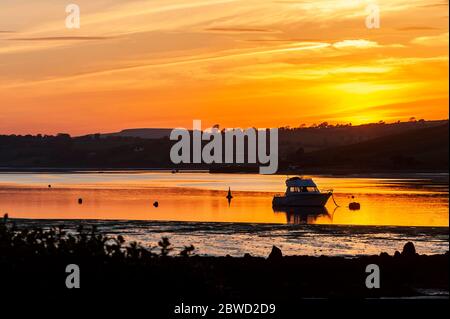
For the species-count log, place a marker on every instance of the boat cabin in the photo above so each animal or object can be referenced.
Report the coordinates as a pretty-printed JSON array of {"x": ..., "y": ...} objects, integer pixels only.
[
  {"x": 300, "y": 185},
  {"x": 301, "y": 192}
]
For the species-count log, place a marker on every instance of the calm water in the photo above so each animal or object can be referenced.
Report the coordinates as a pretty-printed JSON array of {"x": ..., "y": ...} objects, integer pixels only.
[{"x": 215, "y": 227}]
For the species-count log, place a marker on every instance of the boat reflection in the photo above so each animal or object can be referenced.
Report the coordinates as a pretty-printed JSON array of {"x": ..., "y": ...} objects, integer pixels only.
[{"x": 304, "y": 214}]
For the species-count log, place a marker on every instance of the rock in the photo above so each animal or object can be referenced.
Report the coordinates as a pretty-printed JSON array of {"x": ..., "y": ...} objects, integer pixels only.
[
  {"x": 397, "y": 254},
  {"x": 409, "y": 250},
  {"x": 275, "y": 254},
  {"x": 247, "y": 255}
]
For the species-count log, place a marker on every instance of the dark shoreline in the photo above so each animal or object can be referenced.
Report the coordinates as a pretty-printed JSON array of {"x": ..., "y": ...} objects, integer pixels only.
[
  {"x": 387, "y": 238},
  {"x": 39, "y": 256},
  {"x": 278, "y": 278},
  {"x": 115, "y": 276},
  {"x": 312, "y": 171},
  {"x": 58, "y": 221}
]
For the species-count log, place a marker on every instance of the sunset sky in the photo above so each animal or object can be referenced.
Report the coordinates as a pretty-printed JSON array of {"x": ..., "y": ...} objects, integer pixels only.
[{"x": 239, "y": 63}]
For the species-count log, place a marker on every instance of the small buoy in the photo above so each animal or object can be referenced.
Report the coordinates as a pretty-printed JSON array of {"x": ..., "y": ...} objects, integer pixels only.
[
  {"x": 156, "y": 204},
  {"x": 49, "y": 186},
  {"x": 80, "y": 201},
  {"x": 354, "y": 206},
  {"x": 229, "y": 196}
]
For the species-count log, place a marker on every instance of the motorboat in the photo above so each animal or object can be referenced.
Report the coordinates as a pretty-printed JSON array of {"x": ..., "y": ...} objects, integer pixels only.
[{"x": 301, "y": 192}]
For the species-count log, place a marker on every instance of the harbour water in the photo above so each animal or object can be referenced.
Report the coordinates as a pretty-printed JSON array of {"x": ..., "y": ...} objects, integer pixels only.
[{"x": 192, "y": 209}]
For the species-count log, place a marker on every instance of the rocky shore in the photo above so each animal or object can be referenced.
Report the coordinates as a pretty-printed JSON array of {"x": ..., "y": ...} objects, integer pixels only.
[{"x": 36, "y": 260}]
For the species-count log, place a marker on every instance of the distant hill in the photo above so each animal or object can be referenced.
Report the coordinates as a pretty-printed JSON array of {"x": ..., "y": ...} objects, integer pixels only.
[
  {"x": 324, "y": 136},
  {"x": 63, "y": 151},
  {"x": 418, "y": 145},
  {"x": 149, "y": 133},
  {"x": 309, "y": 139},
  {"x": 415, "y": 149}
]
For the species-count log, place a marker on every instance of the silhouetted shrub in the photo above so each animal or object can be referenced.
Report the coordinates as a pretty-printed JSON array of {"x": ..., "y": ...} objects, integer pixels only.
[
  {"x": 187, "y": 251},
  {"x": 84, "y": 242}
]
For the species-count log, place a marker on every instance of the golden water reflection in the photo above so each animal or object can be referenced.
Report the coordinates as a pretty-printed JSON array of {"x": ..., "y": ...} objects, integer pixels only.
[
  {"x": 421, "y": 201},
  {"x": 305, "y": 215}
]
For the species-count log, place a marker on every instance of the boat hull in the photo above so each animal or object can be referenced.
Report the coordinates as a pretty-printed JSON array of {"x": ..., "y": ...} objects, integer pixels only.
[{"x": 311, "y": 199}]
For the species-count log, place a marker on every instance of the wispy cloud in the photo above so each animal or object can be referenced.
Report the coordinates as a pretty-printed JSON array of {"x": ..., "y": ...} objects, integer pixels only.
[
  {"x": 433, "y": 5},
  {"x": 63, "y": 38},
  {"x": 241, "y": 30},
  {"x": 433, "y": 40},
  {"x": 293, "y": 40},
  {"x": 416, "y": 28},
  {"x": 359, "y": 43}
]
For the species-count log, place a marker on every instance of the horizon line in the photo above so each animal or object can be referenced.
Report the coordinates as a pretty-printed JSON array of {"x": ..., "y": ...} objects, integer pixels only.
[{"x": 311, "y": 126}]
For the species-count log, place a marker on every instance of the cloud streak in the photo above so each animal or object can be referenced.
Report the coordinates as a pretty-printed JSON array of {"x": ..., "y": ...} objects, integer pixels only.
[
  {"x": 433, "y": 40},
  {"x": 241, "y": 30},
  {"x": 62, "y": 38}
]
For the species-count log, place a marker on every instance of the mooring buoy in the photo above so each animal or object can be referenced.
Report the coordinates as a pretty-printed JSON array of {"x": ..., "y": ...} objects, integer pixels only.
[
  {"x": 229, "y": 196},
  {"x": 354, "y": 206}
]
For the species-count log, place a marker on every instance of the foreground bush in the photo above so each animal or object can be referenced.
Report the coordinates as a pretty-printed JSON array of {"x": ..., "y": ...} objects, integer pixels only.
[{"x": 35, "y": 260}]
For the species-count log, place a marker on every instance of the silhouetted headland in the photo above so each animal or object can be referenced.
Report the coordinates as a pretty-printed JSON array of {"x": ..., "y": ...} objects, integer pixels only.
[{"x": 380, "y": 147}]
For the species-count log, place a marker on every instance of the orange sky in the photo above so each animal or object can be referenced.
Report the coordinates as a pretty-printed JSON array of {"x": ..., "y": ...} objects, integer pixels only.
[{"x": 240, "y": 63}]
